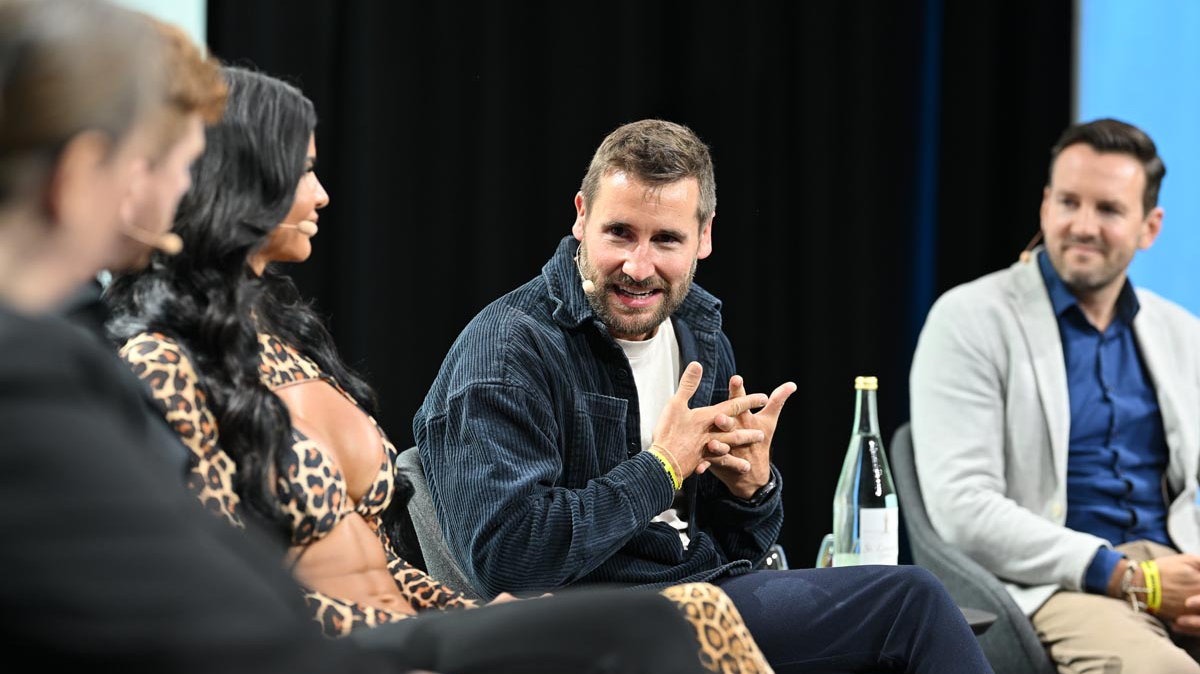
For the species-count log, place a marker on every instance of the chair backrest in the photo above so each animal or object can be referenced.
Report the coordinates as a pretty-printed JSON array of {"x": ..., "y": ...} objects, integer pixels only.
[
  {"x": 1011, "y": 644},
  {"x": 438, "y": 560}
]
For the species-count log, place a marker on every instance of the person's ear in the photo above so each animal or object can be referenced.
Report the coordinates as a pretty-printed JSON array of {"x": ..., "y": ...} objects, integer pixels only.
[
  {"x": 705, "y": 248},
  {"x": 1151, "y": 228},
  {"x": 580, "y": 216},
  {"x": 74, "y": 180},
  {"x": 138, "y": 184},
  {"x": 1044, "y": 209}
]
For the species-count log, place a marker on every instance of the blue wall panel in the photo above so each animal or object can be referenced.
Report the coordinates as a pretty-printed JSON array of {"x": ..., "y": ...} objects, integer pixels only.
[{"x": 1140, "y": 62}]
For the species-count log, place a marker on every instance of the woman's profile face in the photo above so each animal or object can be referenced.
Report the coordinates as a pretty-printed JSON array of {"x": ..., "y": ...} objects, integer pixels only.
[{"x": 291, "y": 244}]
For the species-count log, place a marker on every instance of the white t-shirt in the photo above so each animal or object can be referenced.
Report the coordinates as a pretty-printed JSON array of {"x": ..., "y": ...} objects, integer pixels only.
[{"x": 656, "y": 372}]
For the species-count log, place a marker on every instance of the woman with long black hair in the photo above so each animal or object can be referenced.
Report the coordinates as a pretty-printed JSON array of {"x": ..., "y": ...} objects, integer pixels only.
[
  {"x": 215, "y": 331},
  {"x": 280, "y": 430}
]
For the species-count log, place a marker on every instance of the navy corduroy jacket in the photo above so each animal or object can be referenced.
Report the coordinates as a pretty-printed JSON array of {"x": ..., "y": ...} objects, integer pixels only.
[{"x": 530, "y": 441}]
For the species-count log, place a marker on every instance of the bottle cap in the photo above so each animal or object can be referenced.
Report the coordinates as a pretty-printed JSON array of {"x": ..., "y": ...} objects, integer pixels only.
[{"x": 866, "y": 384}]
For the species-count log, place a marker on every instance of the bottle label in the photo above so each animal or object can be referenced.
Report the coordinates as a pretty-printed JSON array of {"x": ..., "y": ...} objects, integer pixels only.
[{"x": 879, "y": 535}]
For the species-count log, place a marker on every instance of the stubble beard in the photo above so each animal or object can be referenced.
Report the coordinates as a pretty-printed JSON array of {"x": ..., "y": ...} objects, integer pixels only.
[
  {"x": 630, "y": 326},
  {"x": 1089, "y": 281}
]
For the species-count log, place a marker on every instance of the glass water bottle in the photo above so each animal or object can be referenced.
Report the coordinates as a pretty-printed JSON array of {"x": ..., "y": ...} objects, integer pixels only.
[{"x": 866, "y": 516}]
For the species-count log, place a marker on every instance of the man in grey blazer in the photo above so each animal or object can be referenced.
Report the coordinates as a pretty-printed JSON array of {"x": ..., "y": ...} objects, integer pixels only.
[{"x": 1056, "y": 421}]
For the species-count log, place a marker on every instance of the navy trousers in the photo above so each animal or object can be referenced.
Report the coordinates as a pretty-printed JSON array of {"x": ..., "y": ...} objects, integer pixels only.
[{"x": 855, "y": 619}]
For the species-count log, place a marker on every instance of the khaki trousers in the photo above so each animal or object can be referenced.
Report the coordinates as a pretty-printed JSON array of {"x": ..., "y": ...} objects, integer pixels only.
[{"x": 1095, "y": 634}]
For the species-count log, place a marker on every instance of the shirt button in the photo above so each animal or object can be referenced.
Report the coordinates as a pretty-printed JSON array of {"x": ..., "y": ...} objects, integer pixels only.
[
  {"x": 621, "y": 375},
  {"x": 1056, "y": 510}
]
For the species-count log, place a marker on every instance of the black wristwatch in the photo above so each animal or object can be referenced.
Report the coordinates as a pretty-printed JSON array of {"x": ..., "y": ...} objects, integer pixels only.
[{"x": 762, "y": 494}]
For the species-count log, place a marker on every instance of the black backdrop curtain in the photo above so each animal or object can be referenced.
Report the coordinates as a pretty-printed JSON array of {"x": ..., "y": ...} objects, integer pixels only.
[{"x": 869, "y": 155}]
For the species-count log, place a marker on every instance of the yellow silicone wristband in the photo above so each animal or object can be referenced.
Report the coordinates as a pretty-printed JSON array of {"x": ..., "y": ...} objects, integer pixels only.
[
  {"x": 666, "y": 463},
  {"x": 1153, "y": 586}
]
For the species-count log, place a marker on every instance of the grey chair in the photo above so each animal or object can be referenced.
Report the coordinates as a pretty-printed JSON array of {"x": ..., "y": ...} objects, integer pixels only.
[
  {"x": 439, "y": 562},
  {"x": 1011, "y": 644}
]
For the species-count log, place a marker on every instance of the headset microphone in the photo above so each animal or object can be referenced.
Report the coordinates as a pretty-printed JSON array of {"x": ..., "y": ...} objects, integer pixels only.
[
  {"x": 1028, "y": 252},
  {"x": 587, "y": 285},
  {"x": 169, "y": 243},
  {"x": 305, "y": 227}
]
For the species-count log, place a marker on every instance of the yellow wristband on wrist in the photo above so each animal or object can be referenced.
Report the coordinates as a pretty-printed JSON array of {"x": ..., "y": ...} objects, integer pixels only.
[
  {"x": 1153, "y": 585},
  {"x": 666, "y": 462}
]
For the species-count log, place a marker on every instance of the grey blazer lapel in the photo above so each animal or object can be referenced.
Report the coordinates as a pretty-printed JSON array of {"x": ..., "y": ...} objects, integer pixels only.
[{"x": 1035, "y": 315}]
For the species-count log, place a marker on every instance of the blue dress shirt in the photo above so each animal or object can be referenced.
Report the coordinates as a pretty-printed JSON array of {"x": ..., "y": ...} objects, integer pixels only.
[{"x": 1118, "y": 450}]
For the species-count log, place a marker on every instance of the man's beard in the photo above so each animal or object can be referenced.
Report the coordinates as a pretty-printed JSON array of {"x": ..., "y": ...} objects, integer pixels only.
[
  {"x": 621, "y": 325},
  {"x": 1088, "y": 281}
]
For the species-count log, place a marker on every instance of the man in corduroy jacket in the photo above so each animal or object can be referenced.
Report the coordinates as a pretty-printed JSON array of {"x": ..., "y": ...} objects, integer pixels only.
[{"x": 589, "y": 428}]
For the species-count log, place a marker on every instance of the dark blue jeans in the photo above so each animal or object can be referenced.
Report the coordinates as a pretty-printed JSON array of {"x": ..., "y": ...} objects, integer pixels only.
[{"x": 855, "y": 619}]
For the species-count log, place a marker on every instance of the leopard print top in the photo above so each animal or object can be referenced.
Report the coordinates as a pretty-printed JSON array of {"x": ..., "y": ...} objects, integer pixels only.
[
  {"x": 313, "y": 494},
  {"x": 311, "y": 488}
]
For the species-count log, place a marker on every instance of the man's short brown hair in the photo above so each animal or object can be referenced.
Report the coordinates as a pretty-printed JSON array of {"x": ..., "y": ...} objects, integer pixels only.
[
  {"x": 194, "y": 83},
  {"x": 1113, "y": 135},
  {"x": 656, "y": 153}
]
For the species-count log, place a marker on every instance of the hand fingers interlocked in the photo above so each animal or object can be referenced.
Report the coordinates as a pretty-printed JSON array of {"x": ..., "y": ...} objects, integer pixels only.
[
  {"x": 689, "y": 436},
  {"x": 753, "y": 457}
]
